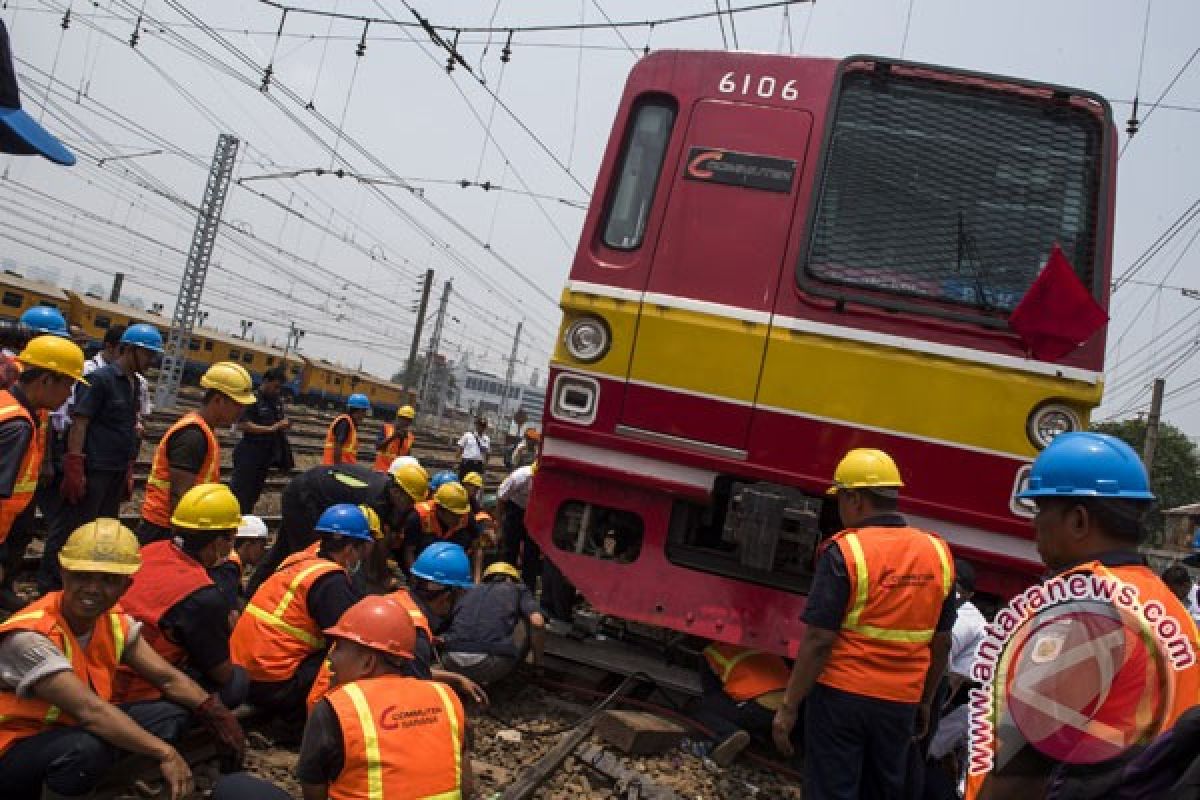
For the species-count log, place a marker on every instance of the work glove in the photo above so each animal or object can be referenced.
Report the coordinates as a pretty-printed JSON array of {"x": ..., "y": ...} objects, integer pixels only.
[
  {"x": 74, "y": 484},
  {"x": 128, "y": 493},
  {"x": 224, "y": 727}
]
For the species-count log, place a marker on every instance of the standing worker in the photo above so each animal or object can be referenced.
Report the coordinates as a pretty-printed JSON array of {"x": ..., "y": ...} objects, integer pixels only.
[
  {"x": 473, "y": 449},
  {"x": 341, "y": 440},
  {"x": 60, "y": 734},
  {"x": 249, "y": 546},
  {"x": 264, "y": 442},
  {"x": 188, "y": 452},
  {"x": 526, "y": 451},
  {"x": 878, "y": 621},
  {"x": 395, "y": 440},
  {"x": 517, "y": 546},
  {"x": 184, "y": 615},
  {"x": 1092, "y": 494}
]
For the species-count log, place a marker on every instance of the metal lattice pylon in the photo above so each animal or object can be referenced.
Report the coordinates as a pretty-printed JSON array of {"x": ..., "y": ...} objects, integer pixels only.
[
  {"x": 433, "y": 381},
  {"x": 187, "y": 306}
]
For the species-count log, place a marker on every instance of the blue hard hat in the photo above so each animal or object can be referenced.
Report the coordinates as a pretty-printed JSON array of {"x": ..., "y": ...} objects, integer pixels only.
[
  {"x": 358, "y": 401},
  {"x": 45, "y": 319},
  {"x": 445, "y": 563},
  {"x": 1086, "y": 464},
  {"x": 144, "y": 336},
  {"x": 21, "y": 134},
  {"x": 441, "y": 479},
  {"x": 1196, "y": 540},
  {"x": 345, "y": 519}
]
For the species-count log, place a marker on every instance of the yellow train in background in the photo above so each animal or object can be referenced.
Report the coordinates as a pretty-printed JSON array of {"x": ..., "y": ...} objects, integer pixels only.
[{"x": 310, "y": 380}]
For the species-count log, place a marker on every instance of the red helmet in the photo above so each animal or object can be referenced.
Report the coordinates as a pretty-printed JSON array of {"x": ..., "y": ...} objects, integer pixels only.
[{"x": 378, "y": 623}]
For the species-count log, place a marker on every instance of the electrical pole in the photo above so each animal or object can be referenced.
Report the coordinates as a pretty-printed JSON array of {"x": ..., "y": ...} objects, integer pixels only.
[
  {"x": 411, "y": 366},
  {"x": 508, "y": 378},
  {"x": 294, "y": 336},
  {"x": 1156, "y": 401},
  {"x": 246, "y": 325},
  {"x": 435, "y": 342},
  {"x": 114, "y": 294},
  {"x": 187, "y": 304}
]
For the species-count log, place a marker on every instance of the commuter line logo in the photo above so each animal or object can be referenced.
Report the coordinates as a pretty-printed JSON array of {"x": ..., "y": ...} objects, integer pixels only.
[{"x": 1079, "y": 668}]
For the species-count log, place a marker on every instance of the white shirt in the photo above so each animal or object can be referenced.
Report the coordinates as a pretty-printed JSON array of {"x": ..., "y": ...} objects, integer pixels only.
[
  {"x": 515, "y": 488},
  {"x": 475, "y": 446},
  {"x": 1193, "y": 603},
  {"x": 966, "y": 635}
]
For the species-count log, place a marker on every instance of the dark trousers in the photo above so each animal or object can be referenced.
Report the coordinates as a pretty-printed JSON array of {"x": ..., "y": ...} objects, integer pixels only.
[
  {"x": 56, "y": 516},
  {"x": 558, "y": 594},
  {"x": 286, "y": 699},
  {"x": 14, "y": 547},
  {"x": 724, "y": 716},
  {"x": 244, "y": 786},
  {"x": 519, "y": 548},
  {"x": 70, "y": 761},
  {"x": 250, "y": 470},
  {"x": 469, "y": 465},
  {"x": 856, "y": 746}
]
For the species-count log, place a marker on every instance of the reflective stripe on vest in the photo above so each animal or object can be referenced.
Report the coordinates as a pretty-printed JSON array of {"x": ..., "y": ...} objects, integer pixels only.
[
  {"x": 30, "y": 464},
  {"x": 427, "y": 510},
  {"x": 274, "y": 617},
  {"x": 745, "y": 673},
  {"x": 394, "y": 449},
  {"x": 862, "y": 591},
  {"x": 157, "y": 507},
  {"x": 349, "y": 451}
]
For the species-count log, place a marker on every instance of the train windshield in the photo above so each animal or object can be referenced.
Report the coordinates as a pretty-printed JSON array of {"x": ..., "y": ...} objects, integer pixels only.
[{"x": 952, "y": 193}]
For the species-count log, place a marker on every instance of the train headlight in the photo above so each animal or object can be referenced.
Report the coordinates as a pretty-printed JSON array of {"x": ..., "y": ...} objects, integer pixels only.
[
  {"x": 587, "y": 339},
  {"x": 1048, "y": 421}
]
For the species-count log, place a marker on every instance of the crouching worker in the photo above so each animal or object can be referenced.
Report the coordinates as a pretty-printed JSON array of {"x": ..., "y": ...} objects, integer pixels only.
[
  {"x": 249, "y": 547},
  {"x": 278, "y": 637},
  {"x": 59, "y": 732},
  {"x": 743, "y": 689},
  {"x": 379, "y": 733},
  {"x": 184, "y": 614},
  {"x": 493, "y": 626}
]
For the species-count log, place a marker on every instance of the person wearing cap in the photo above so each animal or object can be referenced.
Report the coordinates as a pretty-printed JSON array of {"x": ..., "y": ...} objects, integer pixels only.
[
  {"x": 440, "y": 575},
  {"x": 20, "y": 134},
  {"x": 493, "y": 626},
  {"x": 60, "y": 732},
  {"x": 184, "y": 614},
  {"x": 341, "y": 440},
  {"x": 473, "y": 449},
  {"x": 526, "y": 451},
  {"x": 308, "y": 494},
  {"x": 277, "y": 638},
  {"x": 395, "y": 440},
  {"x": 877, "y": 634},
  {"x": 249, "y": 545},
  {"x": 188, "y": 452},
  {"x": 264, "y": 443},
  {"x": 444, "y": 518},
  {"x": 50, "y": 368},
  {"x": 1092, "y": 494}
]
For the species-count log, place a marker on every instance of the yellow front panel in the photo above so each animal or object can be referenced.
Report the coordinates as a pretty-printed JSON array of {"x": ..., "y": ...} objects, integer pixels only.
[
  {"x": 699, "y": 352},
  {"x": 621, "y": 316}
]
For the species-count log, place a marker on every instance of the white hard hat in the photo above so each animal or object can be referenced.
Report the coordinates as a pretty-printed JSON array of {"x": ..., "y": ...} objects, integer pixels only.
[
  {"x": 252, "y": 527},
  {"x": 403, "y": 461}
]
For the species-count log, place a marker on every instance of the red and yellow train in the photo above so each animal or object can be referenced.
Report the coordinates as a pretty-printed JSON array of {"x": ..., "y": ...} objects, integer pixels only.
[{"x": 787, "y": 258}]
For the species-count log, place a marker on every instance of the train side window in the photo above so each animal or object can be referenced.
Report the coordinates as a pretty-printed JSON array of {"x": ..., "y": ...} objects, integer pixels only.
[
  {"x": 104, "y": 323},
  {"x": 14, "y": 299},
  {"x": 247, "y": 358},
  {"x": 588, "y": 529},
  {"x": 234, "y": 355},
  {"x": 193, "y": 344},
  {"x": 208, "y": 345},
  {"x": 641, "y": 164}
]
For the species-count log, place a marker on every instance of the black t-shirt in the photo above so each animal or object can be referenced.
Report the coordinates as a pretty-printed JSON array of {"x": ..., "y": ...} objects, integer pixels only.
[
  {"x": 485, "y": 616},
  {"x": 187, "y": 448},
  {"x": 265, "y": 411},
  {"x": 320, "y": 487},
  {"x": 417, "y": 538},
  {"x": 329, "y": 597},
  {"x": 111, "y": 403},
  {"x": 15, "y": 436},
  {"x": 228, "y": 579},
  {"x": 322, "y": 751},
  {"x": 199, "y": 623}
]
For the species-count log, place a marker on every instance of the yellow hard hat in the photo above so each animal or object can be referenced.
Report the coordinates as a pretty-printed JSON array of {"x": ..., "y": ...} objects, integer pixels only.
[
  {"x": 55, "y": 354},
  {"x": 102, "y": 545},
  {"x": 414, "y": 480},
  {"x": 207, "y": 507},
  {"x": 866, "y": 468},
  {"x": 372, "y": 521},
  {"x": 407, "y": 412},
  {"x": 502, "y": 568},
  {"x": 473, "y": 479},
  {"x": 453, "y": 497},
  {"x": 231, "y": 380}
]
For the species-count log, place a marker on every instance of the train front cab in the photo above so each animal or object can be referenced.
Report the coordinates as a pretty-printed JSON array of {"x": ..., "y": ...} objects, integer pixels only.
[{"x": 787, "y": 258}]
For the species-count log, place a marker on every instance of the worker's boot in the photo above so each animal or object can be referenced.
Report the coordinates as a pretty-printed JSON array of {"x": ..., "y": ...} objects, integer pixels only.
[{"x": 727, "y": 751}]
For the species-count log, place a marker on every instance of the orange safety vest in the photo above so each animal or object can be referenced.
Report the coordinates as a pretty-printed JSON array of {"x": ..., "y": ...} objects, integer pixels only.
[
  {"x": 168, "y": 575},
  {"x": 899, "y": 580},
  {"x": 403, "y": 740},
  {"x": 392, "y": 450},
  {"x": 94, "y": 665},
  {"x": 276, "y": 632},
  {"x": 430, "y": 523},
  {"x": 157, "y": 507},
  {"x": 236, "y": 559},
  {"x": 30, "y": 464},
  {"x": 324, "y": 679},
  {"x": 349, "y": 450},
  {"x": 745, "y": 673}
]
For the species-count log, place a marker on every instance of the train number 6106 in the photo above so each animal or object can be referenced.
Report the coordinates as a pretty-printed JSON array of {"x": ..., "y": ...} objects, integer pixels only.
[{"x": 762, "y": 86}]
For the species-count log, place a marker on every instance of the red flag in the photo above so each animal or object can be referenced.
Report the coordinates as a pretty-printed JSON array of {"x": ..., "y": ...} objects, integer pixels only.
[{"x": 1058, "y": 313}]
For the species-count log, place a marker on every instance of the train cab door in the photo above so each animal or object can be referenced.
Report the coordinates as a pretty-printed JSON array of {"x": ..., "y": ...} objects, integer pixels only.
[{"x": 706, "y": 310}]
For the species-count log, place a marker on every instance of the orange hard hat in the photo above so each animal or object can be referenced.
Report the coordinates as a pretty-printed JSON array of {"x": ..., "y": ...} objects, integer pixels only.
[
  {"x": 378, "y": 623},
  {"x": 533, "y": 434}
]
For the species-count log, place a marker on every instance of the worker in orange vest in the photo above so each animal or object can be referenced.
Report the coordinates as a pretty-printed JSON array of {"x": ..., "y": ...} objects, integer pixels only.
[
  {"x": 380, "y": 733},
  {"x": 395, "y": 440},
  {"x": 445, "y": 518},
  {"x": 742, "y": 690},
  {"x": 877, "y": 636},
  {"x": 50, "y": 367},
  {"x": 188, "y": 452},
  {"x": 59, "y": 731},
  {"x": 341, "y": 440},
  {"x": 278, "y": 638},
  {"x": 184, "y": 614},
  {"x": 249, "y": 547},
  {"x": 1140, "y": 665}
]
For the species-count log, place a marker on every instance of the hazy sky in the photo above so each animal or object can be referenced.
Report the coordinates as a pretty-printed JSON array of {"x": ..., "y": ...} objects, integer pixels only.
[{"x": 343, "y": 256}]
